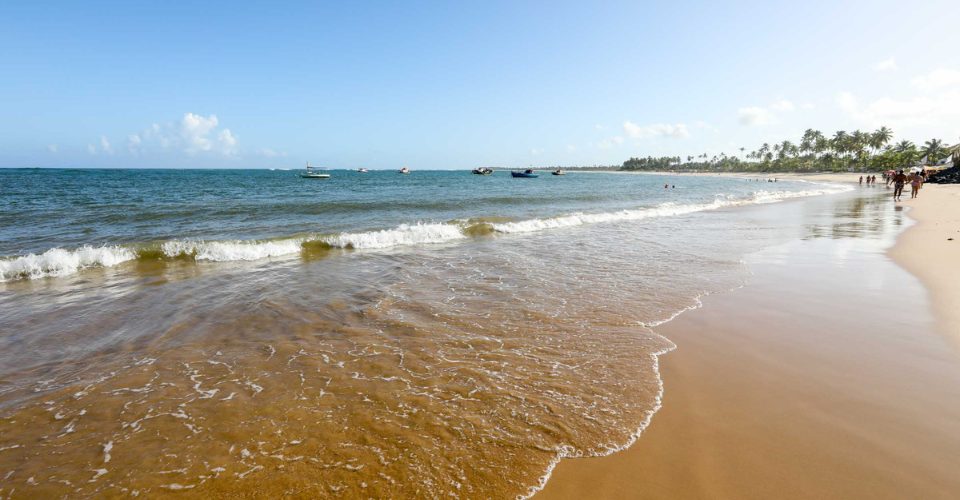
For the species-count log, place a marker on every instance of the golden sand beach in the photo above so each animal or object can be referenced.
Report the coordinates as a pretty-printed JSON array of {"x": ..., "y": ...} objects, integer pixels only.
[{"x": 834, "y": 373}]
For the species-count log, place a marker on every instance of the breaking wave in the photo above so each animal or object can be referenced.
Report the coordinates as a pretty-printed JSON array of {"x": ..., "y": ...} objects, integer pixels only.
[{"x": 58, "y": 262}]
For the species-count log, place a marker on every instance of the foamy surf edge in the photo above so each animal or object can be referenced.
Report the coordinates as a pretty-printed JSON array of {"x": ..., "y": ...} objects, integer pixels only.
[
  {"x": 567, "y": 451},
  {"x": 59, "y": 262}
]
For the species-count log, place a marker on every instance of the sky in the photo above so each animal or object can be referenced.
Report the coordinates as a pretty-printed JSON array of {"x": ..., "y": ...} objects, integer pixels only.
[{"x": 443, "y": 85}]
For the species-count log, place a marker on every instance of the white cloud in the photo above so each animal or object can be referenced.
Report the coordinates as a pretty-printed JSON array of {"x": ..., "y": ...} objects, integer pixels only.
[
  {"x": 931, "y": 112},
  {"x": 227, "y": 141},
  {"x": 53, "y": 148},
  {"x": 754, "y": 115},
  {"x": 91, "y": 149},
  {"x": 195, "y": 131},
  {"x": 937, "y": 79},
  {"x": 635, "y": 131},
  {"x": 133, "y": 144},
  {"x": 886, "y": 65},
  {"x": 105, "y": 145},
  {"x": 782, "y": 105},
  {"x": 193, "y": 135}
]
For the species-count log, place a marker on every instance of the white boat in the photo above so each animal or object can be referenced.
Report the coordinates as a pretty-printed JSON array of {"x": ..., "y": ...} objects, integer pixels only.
[
  {"x": 404, "y": 170},
  {"x": 362, "y": 170},
  {"x": 314, "y": 173}
]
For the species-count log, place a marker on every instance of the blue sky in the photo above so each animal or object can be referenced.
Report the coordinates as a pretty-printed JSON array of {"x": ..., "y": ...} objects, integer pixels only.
[{"x": 460, "y": 84}]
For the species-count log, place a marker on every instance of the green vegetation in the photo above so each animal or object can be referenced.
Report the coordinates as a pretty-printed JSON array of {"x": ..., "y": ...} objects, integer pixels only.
[{"x": 815, "y": 152}]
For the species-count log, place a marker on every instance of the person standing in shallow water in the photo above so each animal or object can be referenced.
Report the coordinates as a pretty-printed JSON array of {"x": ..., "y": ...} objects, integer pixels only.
[
  {"x": 861, "y": 180},
  {"x": 898, "y": 181}
]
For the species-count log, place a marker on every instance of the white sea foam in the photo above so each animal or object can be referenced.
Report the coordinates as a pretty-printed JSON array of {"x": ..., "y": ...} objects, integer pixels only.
[
  {"x": 405, "y": 234},
  {"x": 223, "y": 251},
  {"x": 578, "y": 219},
  {"x": 664, "y": 210},
  {"x": 61, "y": 262}
]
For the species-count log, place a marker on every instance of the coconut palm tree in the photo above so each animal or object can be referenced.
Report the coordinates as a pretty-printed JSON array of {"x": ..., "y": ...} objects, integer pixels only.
[
  {"x": 809, "y": 140},
  {"x": 820, "y": 144},
  {"x": 879, "y": 138},
  {"x": 904, "y": 145},
  {"x": 932, "y": 149},
  {"x": 839, "y": 143}
]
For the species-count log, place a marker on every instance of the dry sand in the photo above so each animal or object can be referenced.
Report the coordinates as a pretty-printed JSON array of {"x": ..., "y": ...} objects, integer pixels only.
[
  {"x": 822, "y": 378},
  {"x": 927, "y": 251}
]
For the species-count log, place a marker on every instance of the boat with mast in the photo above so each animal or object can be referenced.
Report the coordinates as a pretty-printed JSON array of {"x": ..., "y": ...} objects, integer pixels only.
[{"x": 314, "y": 173}]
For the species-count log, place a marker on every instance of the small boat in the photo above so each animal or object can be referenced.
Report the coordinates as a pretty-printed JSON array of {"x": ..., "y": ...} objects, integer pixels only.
[
  {"x": 362, "y": 170},
  {"x": 558, "y": 171},
  {"x": 483, "y": 171},
  {"x": 528, "y": 173},
  {"x": 314, "y": 173},
  {"x": 404, "y": 170}
]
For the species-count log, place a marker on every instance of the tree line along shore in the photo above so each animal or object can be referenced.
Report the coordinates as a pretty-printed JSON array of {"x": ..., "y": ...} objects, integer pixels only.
[{"x": 814, "y": 152}]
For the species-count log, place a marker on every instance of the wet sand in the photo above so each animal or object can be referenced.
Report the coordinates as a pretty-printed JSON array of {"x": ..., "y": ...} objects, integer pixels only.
[{"x": 827, "y": 376}]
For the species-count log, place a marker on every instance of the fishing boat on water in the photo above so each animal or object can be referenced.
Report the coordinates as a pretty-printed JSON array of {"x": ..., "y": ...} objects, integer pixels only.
[
  {"x": 362, "y": 170},
  {"x": 404, "y": 170},
  {"x": 483, "y": 171},
  {"x": 528, "y": 173},
  {"x": 314, "y": 173},
  {"x": 558, "y": 171}
]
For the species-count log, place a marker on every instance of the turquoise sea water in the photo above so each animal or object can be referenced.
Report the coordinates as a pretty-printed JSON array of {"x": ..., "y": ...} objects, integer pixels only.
[{"x": 91, "y": 218}]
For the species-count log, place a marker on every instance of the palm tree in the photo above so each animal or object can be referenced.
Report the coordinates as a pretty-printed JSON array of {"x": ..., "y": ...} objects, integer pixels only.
[
  {"x": 808, "y": 140},
  {"x": 879, "y": 138},
  {"x": 903, "y": 146},
  {"x": 932, "y": 149},
  {"x": 839, "y": 143},
  {"x": 820, "y": 144},
  {"x": 860, "y": 142},
  {"x": 906, "y": 153}
]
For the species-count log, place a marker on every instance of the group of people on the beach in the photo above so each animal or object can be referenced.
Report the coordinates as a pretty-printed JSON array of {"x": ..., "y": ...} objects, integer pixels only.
[{"x": 899, "y": 179}]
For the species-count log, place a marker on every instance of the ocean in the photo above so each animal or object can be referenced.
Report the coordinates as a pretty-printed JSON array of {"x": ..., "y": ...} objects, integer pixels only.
[{"x": 226, "y": 332}]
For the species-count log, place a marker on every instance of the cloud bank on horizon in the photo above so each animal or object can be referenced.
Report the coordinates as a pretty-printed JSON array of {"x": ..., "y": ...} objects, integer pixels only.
[{"x": 454, "y": 87}]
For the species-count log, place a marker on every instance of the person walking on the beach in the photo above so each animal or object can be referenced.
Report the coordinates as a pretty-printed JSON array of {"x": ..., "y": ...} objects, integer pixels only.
[
  {"x": 915, "y": 184},
  {"x": 898, "y": 181}
]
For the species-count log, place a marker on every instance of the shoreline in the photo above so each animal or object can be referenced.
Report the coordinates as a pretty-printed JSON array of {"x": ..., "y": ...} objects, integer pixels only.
[
  {"x": 734, "y": 385},
  {"x": 926, "y": 252}
]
